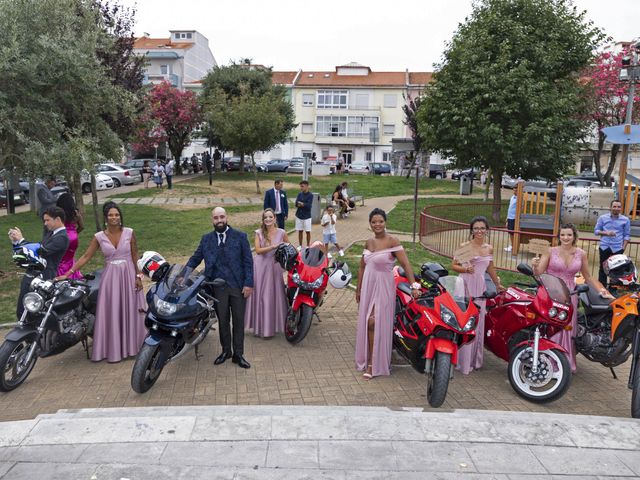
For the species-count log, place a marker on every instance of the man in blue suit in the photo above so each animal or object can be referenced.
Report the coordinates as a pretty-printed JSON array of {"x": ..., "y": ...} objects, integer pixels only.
[
  {"x": 227, "y": 255},
  {"x": 276, "y": 199}
]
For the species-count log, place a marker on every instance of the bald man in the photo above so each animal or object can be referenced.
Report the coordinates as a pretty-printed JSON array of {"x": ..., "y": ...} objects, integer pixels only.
[{"x": 227, "y": 255}]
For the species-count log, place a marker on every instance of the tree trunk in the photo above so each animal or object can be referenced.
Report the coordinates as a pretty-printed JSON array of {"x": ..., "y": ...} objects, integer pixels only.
[
  {"x": 255, "y": 174},
  {"x": 488, "y": 185},
  {"x": 241, "y": 169},
  {"x": 412, "y": 157},
  {"x": 94, "y": 197},
  {"x": 612, "y": 163},
  {"x": 497, "y": 196},
  {"x": 596, "y": 157}
]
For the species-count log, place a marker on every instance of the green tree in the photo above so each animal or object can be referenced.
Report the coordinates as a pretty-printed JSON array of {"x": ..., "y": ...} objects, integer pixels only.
[{"x": 506, "y": 95}]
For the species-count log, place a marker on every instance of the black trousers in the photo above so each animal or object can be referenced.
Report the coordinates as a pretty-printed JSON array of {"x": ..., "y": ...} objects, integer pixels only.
[
  {"x": 230, "y": 311},
  {"x": 280, "y": 220},
  {"x": 604, "y": 255},
  {"x": 169, "y": 184}
]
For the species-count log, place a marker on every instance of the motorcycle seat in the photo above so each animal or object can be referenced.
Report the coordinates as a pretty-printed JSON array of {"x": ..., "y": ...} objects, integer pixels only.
[
  {"x": 404, "y": 287},
  {"x": 595, "y": 301},
  {"x": 401, "y": 272}
]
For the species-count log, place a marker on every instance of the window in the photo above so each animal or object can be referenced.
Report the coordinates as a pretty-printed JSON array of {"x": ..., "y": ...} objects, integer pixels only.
[
  {"x": 176, "y": 35},
  {"x": 390, "y": 100},
  {"x": 164, "y": 69},
  {"x": 386, "y": 156},
  {"x": 367, "y": 156},
  {"x": 333, "y": 99},
  {"x": 307, "y": 99},
  {"x": 188, "y": 35},
  {"x": 325, "y": 154},
  {"x": 362, "y": 100},
  {"x": 360, "y": 126},
  {"x": 307, "y": 154},
  {"x": 331, "y": 126},
  {"x": 389, "y": 129},
  {"x": 307, "y": 128}
]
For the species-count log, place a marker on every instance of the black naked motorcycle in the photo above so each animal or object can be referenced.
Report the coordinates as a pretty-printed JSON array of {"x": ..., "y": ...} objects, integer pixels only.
[
  {"x": 57, "y": 315},
  {"x": 179, "y": 316}
]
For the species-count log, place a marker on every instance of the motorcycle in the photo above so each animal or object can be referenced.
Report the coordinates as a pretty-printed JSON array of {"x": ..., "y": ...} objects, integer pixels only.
[
  {"x": 57, "y": 315},
  {"x": 609, "y": 329},
  {"x": 180, "y": 315},
  {"x": 428, "y": 331},
  {"x": 518, "y": 327},
  {"x": 307, "y": 279}
]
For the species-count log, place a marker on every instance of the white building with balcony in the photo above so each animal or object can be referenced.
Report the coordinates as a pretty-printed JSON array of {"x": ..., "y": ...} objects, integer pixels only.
[{"x": 183, "y": 59}]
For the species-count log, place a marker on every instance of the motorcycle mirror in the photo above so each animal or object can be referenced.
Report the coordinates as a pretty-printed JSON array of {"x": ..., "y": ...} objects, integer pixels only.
[
  {"x": 525, "y": 269},
  {"x": 489, "y": 294},
  {"x": 582, "y": 288},
  {"x": 89, "y": 276}
]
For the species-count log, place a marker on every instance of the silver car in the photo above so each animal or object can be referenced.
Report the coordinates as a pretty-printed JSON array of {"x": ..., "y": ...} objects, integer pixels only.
[
  {"x": 120, "y": 174},
  {"x": 297, "y": 166}
]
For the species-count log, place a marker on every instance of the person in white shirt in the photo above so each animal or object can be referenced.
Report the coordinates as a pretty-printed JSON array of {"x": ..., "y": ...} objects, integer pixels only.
[{"x": 329, "y": 229}]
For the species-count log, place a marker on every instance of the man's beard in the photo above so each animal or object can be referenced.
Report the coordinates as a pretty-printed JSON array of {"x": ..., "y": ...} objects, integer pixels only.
[{"x": 220, "y": 227}]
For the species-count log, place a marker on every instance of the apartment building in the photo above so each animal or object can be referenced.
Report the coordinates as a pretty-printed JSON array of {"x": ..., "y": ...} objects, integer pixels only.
[{"x": 183, "y": 59}]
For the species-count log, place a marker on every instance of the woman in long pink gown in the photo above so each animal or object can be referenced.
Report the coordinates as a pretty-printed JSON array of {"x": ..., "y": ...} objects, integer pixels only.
[
  {"x": 267, "y": 306},
  {"x": 376, "y": 298},
  {"x": 565, "y": 261},
  {"x": 73, "y": 224},
  {"x": 119, "y": 328},
  {"x": 471, "y": 355}
]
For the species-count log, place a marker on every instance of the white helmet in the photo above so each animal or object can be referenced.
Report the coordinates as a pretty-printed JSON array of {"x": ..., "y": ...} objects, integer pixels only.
[
  {"x": 620, "y": 270},
  {"x": 153, "y": 265},
  {"x": 341, "y": 276}
]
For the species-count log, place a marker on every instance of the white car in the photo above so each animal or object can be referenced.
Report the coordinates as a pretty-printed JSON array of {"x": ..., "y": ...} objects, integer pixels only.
[
  {"x": 103, "y": 182},
  {"x": 120, "y": 174},
  {"x": 359, "y": 168}
]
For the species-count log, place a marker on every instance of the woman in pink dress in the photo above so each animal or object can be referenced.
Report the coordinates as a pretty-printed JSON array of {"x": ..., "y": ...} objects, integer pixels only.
[
  {"x": 267, "y": 306},
  {"x": 376, "y": 297},
  {"x": 471, "y": 355},
  {"x": 565, "y": 261},
  {"x": 119, "y": 328},
  {"x": 74, "y": 225}
]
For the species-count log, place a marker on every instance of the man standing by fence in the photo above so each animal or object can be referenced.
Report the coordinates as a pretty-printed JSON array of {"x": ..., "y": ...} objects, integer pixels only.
[{"x": 614, "y": 230}]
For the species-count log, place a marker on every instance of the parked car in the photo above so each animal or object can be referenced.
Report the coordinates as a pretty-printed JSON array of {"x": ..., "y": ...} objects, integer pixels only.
[
  {"x": 358, "y": 168},
  {"x": 261, "y": 166},
  {"x": 19, "y": 197},
  {"x": 103, "y": 182},
  {"x": 539, "y": 182},
  {"x": 437, "y": 170},
  {"x": 467, "y": 172},
  {"x": 233, "y": 164},
  {"x": 277, "y": 165},
  {"x": 380, "y": 168},
  {"x": 120, "y": 174},
  {"x": 588, "y": 175},
  {"x": 581, "y": 182},
  {"x": 297, "y": 166},
  {"x": 138, "y": 164}
]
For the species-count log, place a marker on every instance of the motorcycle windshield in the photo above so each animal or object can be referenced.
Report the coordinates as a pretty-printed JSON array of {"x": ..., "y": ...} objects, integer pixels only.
[
  {"x": 179, "y": 279},
  {"x": 556, "y": 288},
  {"x": 456, "y": 288}
]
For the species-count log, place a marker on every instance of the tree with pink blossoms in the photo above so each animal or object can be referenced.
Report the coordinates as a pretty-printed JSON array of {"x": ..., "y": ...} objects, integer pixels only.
[
  {"x": 169, "y": 115},
  {"x": 608, "y": 97}
]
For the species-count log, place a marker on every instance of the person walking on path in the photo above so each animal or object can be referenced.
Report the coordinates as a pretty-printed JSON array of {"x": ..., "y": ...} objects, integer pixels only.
[
  {"x": 511, "y": 219},
  {"x": 168, "y": 171},
  {"x": 209, "y": 164},
  {"x": 158, "y": 173},
  {"x": 614, "y": 231},
  {"x": 267, "y": 305},
  {"x": 146, "y": 173},
  {"x": 471, "y": 355},
  {"x": 119, "y": 330},
  {"x": 46, "y": 197},
  {"x": 564, "y": 261},
  {"x": 227, "y": 255},
  {"x": 329, "y": 234},
  {"x": 276, "y": 199},
  {"x": 376, "y": 297},
  {"x": 303, "y": 212},
  {"x": 74, "y": 225}
]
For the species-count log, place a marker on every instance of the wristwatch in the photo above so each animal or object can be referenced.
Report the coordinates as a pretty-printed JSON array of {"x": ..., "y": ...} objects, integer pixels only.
[{"x": 415, "y": 286}]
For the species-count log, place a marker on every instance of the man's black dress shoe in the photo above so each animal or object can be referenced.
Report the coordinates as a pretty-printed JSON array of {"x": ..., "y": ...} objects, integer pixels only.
[
  {"x": 223, "y": 357},
  {"x": 242, "y": 363}
]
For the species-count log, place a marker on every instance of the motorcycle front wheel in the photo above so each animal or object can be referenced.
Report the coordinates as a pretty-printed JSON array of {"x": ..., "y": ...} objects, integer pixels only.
[
  {"x": 438, "y": 379},
  {"x": 13, "y": 369},
  {"x": 549, "y": 383},
  {"x": 635, "y": 395},
  {"x": 298, "y": 323},
  {"x": 147, "y": 368}
]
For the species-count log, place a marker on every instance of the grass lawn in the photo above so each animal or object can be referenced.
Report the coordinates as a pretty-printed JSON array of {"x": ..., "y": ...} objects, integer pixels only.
[{"x": 228, "y": 183}]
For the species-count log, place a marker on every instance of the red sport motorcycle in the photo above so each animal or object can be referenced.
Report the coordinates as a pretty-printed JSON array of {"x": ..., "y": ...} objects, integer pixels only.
[
  {"x": 307, "y": 278},
  {"x": 428, "y": 331},
  {"x": 518, "y": 327}
]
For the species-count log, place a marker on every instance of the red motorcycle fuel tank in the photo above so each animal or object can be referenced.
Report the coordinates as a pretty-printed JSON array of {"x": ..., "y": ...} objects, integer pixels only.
[{"x": 506, "y": 314}]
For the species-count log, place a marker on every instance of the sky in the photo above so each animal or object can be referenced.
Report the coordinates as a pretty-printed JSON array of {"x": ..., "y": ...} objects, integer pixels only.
[{"x": 299, "y": 34}]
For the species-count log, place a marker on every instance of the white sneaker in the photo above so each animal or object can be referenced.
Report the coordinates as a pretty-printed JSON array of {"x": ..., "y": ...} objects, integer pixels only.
[
  {"x": 341, "y": 253},
  {"x": 329, "y": 255},
  {"x": 299, "y": 247},
  {"x": 507, "y": 249}
]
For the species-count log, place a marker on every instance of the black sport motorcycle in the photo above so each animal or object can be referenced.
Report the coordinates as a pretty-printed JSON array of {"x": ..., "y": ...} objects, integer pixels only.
[
  {"x": 57, "y": 315},
  {"x": 179, "y": 316}
]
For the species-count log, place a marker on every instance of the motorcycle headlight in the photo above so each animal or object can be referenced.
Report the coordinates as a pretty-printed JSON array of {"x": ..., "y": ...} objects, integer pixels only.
[
  {"x": 296, "y": 278},
  {"x": 316, "y": 284},
  {"x": 449, "y": 317},
  {"x": 166, "y": 308},
  {"x": 32, "y": 302},
  {"x": 471, "y": 324},
  {"x": 562, "y": 315},
  {"x": 553, "y": 312}
]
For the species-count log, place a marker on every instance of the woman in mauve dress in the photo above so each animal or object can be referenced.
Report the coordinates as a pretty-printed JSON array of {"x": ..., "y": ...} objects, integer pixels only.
[
  {"x": 376, "y": 295},
  {"x": 119, "y": 328},
  {"x": 74, "y": 225},
  {"x": 267, "y": 306}
]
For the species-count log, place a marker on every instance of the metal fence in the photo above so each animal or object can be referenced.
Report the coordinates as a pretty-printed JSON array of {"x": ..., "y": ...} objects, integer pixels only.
[{"x": 443, "y": 228}]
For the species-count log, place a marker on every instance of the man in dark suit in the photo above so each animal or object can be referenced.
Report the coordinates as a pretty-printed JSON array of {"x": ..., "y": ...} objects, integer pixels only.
[
  {"x": 276, "y": 199},
  {"x": 53, "y": 247},
  {"x": 227, "y": 255}
]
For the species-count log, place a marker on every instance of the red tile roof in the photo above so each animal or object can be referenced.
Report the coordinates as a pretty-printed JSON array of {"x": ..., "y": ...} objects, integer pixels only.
[
  {"x": 332, "y": 79},
  {"x": 283, "y": 78},
  {"x": 146, "y": 43}
]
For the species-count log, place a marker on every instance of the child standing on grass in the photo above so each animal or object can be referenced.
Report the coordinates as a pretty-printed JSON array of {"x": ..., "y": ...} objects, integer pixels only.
[{"x": 329, "y": 229}]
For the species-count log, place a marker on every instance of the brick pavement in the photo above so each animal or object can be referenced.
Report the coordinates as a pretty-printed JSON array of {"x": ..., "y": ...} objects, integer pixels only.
[{"x": 319, "y": 371}]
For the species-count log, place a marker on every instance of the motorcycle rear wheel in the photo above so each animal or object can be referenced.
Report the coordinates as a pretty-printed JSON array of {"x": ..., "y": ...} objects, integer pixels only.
[
  {"x": 438, "y": 379},
  {"x": 298, "y": 323},
  {"x": 12, "y": 355},
  {"x": 635, "y": 395},
  {"x": 146, "y": 370},
  {"x": 556, "y": 379}
]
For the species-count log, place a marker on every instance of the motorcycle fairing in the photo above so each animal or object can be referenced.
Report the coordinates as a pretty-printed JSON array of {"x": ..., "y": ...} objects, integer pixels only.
[
  {"x": 441, "y": 345},
  {"x": 543, "y": 344},
  {"x": 625, "y": 311},
  {"x": 303, "y": 299}
]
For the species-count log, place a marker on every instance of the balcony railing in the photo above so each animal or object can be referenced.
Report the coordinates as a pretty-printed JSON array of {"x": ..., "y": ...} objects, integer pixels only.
[{"x": 172, "y": 78}]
